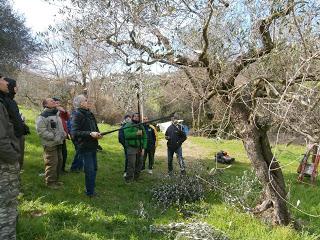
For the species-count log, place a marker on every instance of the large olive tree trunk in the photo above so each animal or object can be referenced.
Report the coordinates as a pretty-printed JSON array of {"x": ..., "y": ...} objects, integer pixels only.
[{"x": 267, "y": 168}]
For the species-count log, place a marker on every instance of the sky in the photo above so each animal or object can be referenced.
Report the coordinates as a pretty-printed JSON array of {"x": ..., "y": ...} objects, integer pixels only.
[{"x": 38, "y": 13}]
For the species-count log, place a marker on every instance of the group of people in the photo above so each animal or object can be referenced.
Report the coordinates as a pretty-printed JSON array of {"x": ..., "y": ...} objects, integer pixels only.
[
  {"x": 139, "y": 142},
  {"x": 12, "y": 132},
  {"x": 54, "y": 126},
  {"x": 140, "y": 139}
]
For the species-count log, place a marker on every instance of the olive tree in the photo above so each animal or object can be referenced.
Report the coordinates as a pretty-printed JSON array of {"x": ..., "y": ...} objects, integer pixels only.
[{"x": 257, "y": 55}]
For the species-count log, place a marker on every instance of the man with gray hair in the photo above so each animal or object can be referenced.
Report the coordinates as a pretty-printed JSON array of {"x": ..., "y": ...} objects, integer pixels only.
[
  {"x": 85, "y": 133},
  {"x": 51, "y": 132},
  {"x": 9, "y": 170}
]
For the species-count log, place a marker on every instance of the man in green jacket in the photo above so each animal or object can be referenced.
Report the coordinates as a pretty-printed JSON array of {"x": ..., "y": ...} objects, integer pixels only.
[
  {"x": 136, "y": 142},
  {"x": 9, "y": 170}
]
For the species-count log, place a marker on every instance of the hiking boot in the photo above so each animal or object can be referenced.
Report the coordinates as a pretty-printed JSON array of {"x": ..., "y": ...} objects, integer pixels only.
[
  {"x": 53, "y": 186},
  {"x": 92, "y": 195},
  {"x": 59, "y": 183},
  {"x": 128, "y": 182}
]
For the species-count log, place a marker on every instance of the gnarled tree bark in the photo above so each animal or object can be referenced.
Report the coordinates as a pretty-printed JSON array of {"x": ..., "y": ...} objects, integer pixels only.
[{"x": 267, "y": 168}]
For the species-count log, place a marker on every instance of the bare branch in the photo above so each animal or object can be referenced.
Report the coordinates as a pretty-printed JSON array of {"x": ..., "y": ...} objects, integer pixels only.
[{"x": 203, "y": 56}]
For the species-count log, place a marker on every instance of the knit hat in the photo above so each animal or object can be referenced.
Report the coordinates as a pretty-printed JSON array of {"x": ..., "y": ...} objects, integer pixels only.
[{"x": 12, "y": 84}]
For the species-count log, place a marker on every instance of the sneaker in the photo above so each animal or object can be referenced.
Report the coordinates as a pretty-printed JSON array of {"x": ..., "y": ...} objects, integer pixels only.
[
  {"x": 59, "y": 183},
  {"x": 125, "y": 174},
  {"x": 41, "y": 174},
  {"x": 150, "y": 171}
]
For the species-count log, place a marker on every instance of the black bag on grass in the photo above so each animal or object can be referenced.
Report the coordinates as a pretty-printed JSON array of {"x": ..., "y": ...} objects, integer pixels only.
[{"x": 223, "y": 157}]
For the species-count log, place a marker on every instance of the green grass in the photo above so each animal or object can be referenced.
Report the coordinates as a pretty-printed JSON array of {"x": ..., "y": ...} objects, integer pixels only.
[{"x": 116, "y": 213}]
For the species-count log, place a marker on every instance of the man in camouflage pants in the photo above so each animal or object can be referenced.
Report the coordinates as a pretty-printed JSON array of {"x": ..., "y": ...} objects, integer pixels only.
[{"x": 9, "y": 171}]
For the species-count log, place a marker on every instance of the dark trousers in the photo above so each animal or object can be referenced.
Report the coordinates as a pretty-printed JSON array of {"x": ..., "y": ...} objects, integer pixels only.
[
  {"x": 126, "y": 159},
  {"x": 21, "y": 146},
  {"x": 180, "y": 159},
  {"x": 64, "y": 155},
  {"x": 150, "y": 154},
  {"x": 77, "y": 163},
  {"x": 90, "y": 170}
]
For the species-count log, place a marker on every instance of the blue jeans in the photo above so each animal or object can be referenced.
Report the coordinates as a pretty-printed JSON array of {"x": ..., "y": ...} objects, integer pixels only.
[
  {"x": 90, "y": 170},
  {"x": 180, "y": 159},
  {"x": 77, "y": 163}
]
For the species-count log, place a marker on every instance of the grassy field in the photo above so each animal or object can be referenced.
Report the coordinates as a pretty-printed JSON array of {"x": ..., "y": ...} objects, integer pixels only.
[{"x": 123, "y": 211}]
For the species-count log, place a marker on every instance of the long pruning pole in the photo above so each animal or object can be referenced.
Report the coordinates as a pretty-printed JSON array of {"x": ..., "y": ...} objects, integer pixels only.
[{"x": 138, "y": 124}]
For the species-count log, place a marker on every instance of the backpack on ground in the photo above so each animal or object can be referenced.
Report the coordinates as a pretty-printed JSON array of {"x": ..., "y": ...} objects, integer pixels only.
[{"x": 223, "y": 157}]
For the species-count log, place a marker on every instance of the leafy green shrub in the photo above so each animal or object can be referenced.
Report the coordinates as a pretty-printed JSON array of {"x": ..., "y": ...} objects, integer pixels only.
[{"x": 242, "y": 191}]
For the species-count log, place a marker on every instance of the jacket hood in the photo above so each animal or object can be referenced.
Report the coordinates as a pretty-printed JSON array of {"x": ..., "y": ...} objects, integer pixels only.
[
  {"x": 49, "y": 112},
  {"x": 12, "y": 84}
]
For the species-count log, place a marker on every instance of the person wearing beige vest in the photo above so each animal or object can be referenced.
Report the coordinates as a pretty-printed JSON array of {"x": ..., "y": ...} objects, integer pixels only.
[{"x": 50, "y": 129}]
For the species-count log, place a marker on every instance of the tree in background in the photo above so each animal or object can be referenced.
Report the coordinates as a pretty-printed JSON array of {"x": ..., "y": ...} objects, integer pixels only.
[{"x": 17, "y": 45}]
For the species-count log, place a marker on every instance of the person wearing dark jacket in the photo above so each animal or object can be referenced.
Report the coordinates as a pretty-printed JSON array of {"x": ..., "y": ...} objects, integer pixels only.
[
  {"x": 9, "y": 170},
  {"x": 20, "y": 128},
  {"x": 121, "y": 139},
  {"x": 175, "y": 136},
  {"x": 77, "y": 163},
  {"x": 152, "y": 135},
  {"x": 65, "y": 116},
  {"x": 85, "y": 132}
]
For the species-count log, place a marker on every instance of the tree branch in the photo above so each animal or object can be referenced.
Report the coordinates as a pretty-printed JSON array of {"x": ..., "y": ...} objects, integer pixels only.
[
  {"x": 252, "y": 55},
  {"x": 203, "y": 56}
]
